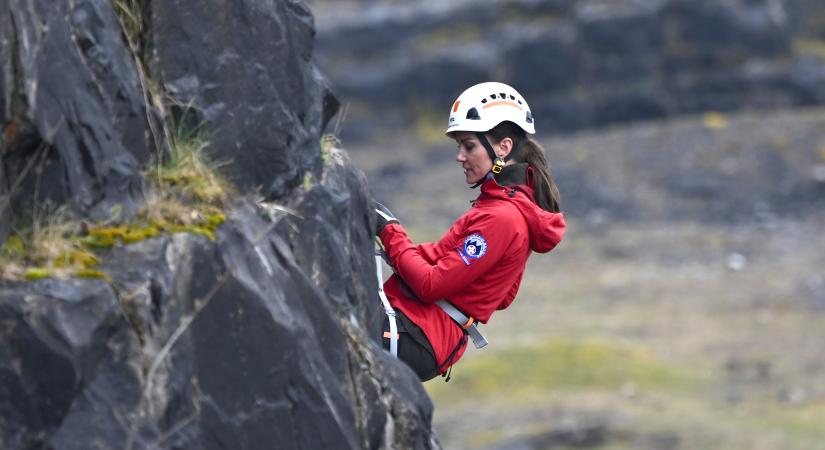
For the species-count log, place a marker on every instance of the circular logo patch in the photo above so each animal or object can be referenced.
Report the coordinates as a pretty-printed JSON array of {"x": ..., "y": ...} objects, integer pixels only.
[{"x": 475, "y": 246}]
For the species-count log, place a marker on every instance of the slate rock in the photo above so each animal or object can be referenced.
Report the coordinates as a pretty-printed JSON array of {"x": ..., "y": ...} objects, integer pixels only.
[
  {"x": 246, "y": 68},
  {"x": 70, "y": 80},
  {"x": 264, "y": 358}
]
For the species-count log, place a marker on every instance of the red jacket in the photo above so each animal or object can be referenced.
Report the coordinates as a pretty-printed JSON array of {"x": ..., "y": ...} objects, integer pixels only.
[{"x": 477, "y": 265}]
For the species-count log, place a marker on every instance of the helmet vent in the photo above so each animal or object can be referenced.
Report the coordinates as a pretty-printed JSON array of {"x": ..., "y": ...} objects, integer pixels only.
[
  {"x": 483, "y": 100},
  {"x": 503, "y": 96},
  {"x": 493, "y": 96},
  {"x": 472, "y": 114},
  {"x": 529, "y": 117},
  {"x": 512, "y": 97}
]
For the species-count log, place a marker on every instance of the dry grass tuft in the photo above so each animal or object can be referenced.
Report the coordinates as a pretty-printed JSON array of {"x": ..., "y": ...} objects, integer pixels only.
[{"x": 49, "y": 247}]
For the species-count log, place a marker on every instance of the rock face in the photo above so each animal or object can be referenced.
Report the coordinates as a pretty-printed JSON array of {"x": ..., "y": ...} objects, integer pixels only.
[
  {"x": 69, "y": 80},
  {"x": 259, "y": 338},
  {"x": 196, "y": 344},
  {"x": 580, "y": 63},
  {"x": 251, "y": 77}
]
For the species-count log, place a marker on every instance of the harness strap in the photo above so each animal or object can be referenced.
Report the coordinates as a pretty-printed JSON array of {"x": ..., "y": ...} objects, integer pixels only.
[
  {"x": 498, "y": 163},
  {"x": 449, "y": 361},
  {"x": 468, "y": 324},
  {"x": 393, "y": 334}
]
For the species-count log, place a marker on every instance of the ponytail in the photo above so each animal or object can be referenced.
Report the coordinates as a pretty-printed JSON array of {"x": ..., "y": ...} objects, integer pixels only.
[{"x": 546, "y": 193}]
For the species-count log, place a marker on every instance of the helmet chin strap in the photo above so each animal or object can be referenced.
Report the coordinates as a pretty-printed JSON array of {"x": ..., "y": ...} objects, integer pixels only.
[{"x": 498, "y": 163}]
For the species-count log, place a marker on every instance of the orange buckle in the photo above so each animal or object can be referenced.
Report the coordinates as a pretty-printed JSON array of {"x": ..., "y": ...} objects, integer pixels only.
[
  {"x": 468, "y": 324},
  {"x": 387, "y": 335},
  {"x": 496, "y": 169}
]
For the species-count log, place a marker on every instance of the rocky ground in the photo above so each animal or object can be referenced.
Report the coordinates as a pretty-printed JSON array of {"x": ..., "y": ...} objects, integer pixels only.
[{"x": 685, "y": 308}]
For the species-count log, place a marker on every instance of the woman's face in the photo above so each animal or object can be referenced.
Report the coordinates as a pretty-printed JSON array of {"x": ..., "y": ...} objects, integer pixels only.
[{"x": 472, "y": 156}]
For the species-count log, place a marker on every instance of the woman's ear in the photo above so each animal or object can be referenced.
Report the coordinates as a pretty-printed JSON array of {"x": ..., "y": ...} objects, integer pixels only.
[{"x": 504, "y": 148}]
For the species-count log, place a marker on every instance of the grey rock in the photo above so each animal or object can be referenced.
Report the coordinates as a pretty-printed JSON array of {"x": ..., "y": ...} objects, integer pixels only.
[
  {"x": 199, "y": 344},
  {"x": 251, "y": 79},
  {"x": 70, "y": 80},
  {"x": 259, "y": 338}
]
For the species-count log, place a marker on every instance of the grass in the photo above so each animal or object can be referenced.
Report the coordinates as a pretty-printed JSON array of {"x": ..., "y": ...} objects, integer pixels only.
[
  {"x": 561, "y": 364},
  {"x": 132, "y": 14},
  {"x": 328, "y": 142},
  {"x": 186, "y": 172},
  {"x": 633, "y": 336},
  {"x": 449, "y": 36},
  {"x": 430, "y": 124},
  {"x": 47, "y": 247},
  {"x": 186, "y": 194},
  {"x": 810, "y": 47}
]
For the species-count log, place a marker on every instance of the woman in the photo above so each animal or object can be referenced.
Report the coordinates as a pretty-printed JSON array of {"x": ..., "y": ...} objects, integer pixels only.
[{"x": 477, "y": 266}]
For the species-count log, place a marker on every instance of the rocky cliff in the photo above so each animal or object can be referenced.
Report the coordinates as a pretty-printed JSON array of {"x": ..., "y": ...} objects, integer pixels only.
[{"x": 235, "y": 320}]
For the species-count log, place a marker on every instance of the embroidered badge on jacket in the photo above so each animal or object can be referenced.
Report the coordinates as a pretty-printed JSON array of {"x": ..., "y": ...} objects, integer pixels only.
[{"x": 475, "y": 247}]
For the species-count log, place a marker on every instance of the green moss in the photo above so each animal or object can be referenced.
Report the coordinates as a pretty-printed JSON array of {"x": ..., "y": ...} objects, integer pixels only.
[
  {"x": 328, "y": 142},
  {"x": 103, "y": 237},
  {"x": 37, "y": 273},
  {"x": 76, "y": 258},
  {"x": 205, "y": 232},
  {"x": 308, "y": 181},
  {"x": 14, "y": 247},
  {"x": 214, "y": 220},
  {"x": 91, "y": 273}
]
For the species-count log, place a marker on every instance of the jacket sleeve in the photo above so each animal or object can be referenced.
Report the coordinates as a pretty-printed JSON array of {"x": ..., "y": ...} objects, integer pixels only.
[{"x": 437, "y": 271}]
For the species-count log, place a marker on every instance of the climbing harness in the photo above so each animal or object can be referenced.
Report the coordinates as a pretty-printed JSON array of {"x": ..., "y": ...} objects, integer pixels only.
[
  {"x": 393, "y": 333},
  {"x": 468, "y": 324}
]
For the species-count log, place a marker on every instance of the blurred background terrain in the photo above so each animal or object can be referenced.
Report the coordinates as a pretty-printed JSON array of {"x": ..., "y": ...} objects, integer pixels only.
[{"x": 685, "y": 308}]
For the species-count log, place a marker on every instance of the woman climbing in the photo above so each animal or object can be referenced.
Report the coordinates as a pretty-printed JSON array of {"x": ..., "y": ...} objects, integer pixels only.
[{"x": 440, "y": 290}]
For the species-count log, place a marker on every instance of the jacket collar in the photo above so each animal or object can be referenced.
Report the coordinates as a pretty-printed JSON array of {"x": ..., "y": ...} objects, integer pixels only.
[{"x": 513, "y": 175}]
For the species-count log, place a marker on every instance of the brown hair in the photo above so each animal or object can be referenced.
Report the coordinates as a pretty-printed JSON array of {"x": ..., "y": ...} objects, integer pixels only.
[{"x": 547, "y": 194}]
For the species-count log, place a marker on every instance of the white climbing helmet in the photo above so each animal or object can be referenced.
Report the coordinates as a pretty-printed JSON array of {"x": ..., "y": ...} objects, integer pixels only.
[{"x": 483, "y": 106}]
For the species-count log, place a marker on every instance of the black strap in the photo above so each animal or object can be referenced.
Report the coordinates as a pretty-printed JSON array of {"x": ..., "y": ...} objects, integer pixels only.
[
  {"x": 490, "y": 152},
  {"x": 493, "y": 157},
  {"x": 449, "y": 361}
]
